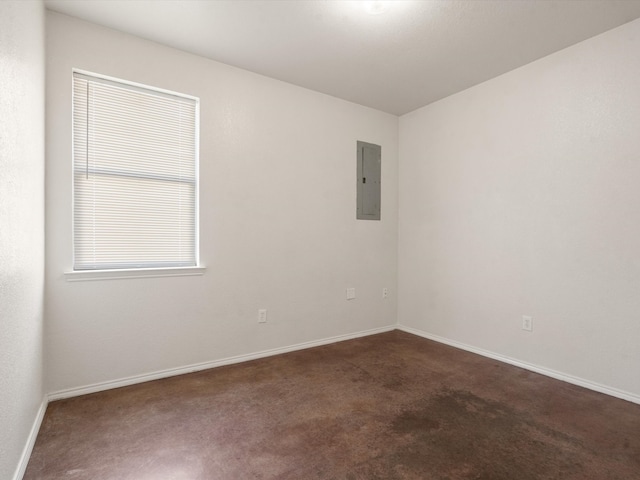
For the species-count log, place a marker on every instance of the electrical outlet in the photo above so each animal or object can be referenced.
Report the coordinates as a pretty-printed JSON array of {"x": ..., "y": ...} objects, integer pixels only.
[
  {"x": 262, "y": 315},
  {"x": 385, "y": 292},
  {"x": 527, "y": 323},
  {"x": 351, "y": 293}
]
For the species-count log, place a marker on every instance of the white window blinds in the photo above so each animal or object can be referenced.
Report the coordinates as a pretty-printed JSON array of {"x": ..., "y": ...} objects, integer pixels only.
[{"x": 135, "y": 176}]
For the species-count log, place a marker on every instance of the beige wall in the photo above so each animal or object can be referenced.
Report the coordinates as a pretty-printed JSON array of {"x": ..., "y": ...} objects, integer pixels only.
[
  {"x": 521, "y": 196},
  {"x": 21, "y": 225},
  {"x": 518, "y": 196},
  {"x": 277, "y": 220}
]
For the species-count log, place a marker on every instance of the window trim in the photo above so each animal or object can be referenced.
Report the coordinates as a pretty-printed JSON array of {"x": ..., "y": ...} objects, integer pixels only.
[
  {"x": 145, "y": 271},
  {"x": 119, "y": 274}
]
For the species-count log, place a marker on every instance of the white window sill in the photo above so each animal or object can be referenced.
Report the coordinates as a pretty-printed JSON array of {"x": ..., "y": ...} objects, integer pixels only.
[{"x": 87, "y": 275}]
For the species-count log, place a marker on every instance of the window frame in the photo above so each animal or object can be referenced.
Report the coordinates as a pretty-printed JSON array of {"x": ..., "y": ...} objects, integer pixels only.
[{"x": 143, "y": 270}]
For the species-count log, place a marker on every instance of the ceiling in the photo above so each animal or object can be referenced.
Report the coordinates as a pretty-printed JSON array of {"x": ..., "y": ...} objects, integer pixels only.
[{"x": 411, "y": 54}]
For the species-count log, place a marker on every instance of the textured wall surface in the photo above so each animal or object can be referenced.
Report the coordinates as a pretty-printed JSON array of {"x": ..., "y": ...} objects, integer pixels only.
[
  {"x": 21, "y": 224},
  {"x": 520, "y": 197},
  {"x": 277, "y": 220}
]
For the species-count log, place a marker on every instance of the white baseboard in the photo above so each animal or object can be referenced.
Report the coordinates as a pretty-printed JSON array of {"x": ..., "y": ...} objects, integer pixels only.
[
  {"x": 614, "y": 392},
  {"x": 97, "y": 387},
  {"x": 123, "y": 382},
  {"x": 31, "y": 440}
]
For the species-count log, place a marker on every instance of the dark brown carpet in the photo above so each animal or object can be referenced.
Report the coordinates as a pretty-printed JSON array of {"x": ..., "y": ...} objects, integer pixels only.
[{"x": 389, "y": 406}]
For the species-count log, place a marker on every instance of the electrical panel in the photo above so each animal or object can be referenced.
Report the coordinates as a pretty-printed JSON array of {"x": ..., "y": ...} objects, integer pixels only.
[{"x": 369, "y": 176}]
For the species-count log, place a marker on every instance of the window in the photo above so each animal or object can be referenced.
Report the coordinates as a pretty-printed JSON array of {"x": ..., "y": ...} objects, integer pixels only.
[{"x": 134, "y": 176}]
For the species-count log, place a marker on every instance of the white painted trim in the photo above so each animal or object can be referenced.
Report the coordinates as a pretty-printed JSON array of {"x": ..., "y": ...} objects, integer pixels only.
[
  {"x": 581, "y": 382},
  {"x": 97, "y": 387},
  {"x": 119, "y": 274},
  {"x": 31, "y": 440},
  {"x": 123, "y": 382}
]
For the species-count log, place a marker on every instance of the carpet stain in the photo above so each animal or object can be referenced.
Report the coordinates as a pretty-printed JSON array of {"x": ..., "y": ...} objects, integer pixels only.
[{"x": 483, "y": 440}]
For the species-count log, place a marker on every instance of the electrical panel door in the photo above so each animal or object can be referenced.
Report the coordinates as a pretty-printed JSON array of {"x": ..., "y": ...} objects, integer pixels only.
[{"x": 369, "y": 173}]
